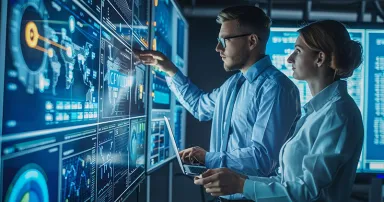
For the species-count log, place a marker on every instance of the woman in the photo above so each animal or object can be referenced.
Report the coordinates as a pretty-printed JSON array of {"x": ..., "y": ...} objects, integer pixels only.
[{"x": 319, "y": 161}]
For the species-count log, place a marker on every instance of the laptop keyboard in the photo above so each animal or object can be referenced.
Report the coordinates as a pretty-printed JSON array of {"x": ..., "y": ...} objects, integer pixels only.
[{"x": 197, "y": 170}]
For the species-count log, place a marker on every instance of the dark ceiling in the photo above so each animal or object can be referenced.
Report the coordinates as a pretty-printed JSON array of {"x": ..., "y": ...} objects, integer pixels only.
[
  {"x": 343, "y": 5},
  {"x": 369, "y": 7}
]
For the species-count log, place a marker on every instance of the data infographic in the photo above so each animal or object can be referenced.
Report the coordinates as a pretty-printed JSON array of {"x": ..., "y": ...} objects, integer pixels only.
[{"x": 75, "y": 99}]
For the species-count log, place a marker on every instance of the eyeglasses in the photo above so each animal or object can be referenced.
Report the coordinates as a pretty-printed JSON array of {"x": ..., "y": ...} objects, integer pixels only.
[{"x": 222, "y": 40}]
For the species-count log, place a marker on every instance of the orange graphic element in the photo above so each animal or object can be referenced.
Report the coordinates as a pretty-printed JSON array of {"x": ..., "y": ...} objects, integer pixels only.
[
  {"x": 32, "y": 37},
  {"x": 154, "y": 45},
  {"x": 52, "y": 42},
  {"x": 41, "y": 49},
  {"x": 31, "y": 34},
  {"x": 50, "y": 52}
]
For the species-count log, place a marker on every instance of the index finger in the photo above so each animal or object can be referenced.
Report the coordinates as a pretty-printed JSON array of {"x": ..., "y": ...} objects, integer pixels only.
[
  {"x": 209, "y": 172},
  {"x": 206, "y": 180},
  {"x": 185, "y": 154},
  {"x": 181, "y": 154},
  {"x": 155, "y": 54}
]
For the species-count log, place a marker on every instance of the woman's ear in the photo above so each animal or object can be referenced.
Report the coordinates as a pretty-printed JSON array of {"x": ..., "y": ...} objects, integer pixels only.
[{"x": 321, "y": 57}]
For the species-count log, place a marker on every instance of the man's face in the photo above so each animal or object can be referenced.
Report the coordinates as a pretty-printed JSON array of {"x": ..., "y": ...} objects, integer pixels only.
[{"x": 236, "y": 52}]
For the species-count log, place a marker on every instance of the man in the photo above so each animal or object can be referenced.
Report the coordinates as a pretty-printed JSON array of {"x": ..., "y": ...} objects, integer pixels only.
[{"x": 253, "y": 112}]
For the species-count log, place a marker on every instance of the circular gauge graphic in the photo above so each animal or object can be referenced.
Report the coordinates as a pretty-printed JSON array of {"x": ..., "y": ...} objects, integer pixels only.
[
  {"x": 27, "y": 28},
  {"x": 29, "y": 184}
]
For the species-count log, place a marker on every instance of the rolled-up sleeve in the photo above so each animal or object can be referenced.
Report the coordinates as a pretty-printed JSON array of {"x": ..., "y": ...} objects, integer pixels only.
[
  {"x": 199, "y": 103},
  {"x": 336, "y": 144},
  {"x": 279, "y": 110}
]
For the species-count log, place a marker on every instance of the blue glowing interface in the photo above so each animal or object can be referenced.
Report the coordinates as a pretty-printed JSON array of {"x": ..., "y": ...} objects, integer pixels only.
[
  {"x": 158, "y": 144},
  {"x": 180, "y": 38},
  {"x": 161, "y": 95},
  {"x": 169, "y": 37},
  {"x": 179, "y": 114},
  {"x": 375, "y": 101},
  {"x": 75, "y": 99},
  {"x": 181, "y": 44}
]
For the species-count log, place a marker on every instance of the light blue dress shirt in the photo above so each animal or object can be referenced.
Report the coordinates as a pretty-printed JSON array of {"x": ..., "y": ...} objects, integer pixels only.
[
  {"x": 319, "y": 162},
  {"x": 265, "y": 112}
]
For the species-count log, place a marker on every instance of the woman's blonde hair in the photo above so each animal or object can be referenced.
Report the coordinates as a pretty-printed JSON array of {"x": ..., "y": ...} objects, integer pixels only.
[{"x": 331, "y": 37}]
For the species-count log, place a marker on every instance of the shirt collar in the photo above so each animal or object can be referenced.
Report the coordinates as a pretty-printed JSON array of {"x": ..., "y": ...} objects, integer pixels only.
[
  {"x": 255, "y": 70},
  {"x": 335, "y": 90}
]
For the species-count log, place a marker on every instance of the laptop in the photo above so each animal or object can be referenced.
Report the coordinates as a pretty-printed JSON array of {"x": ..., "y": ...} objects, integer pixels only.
[{"x": 191, "y": 170}]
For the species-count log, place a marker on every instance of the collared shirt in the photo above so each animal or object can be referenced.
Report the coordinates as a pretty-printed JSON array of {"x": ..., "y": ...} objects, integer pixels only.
[
  {"x": 264, "y": 116},
  {"x": 319, "y": 162}
]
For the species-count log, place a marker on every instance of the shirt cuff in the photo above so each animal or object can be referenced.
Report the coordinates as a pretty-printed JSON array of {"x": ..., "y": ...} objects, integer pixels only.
[
  {"x": 248, "y": 190},
  {"x": 212, "y": 160},
  {"x": 178, "y": 79},
  {"x": 264, "y": 188}
]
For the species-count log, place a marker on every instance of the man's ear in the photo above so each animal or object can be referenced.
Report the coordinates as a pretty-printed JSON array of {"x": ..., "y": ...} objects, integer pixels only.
[{"x": 253, "y": 41}]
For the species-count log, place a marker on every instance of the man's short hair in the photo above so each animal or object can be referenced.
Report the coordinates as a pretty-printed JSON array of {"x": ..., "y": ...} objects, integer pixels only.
[{"x": 250, "y": 17}]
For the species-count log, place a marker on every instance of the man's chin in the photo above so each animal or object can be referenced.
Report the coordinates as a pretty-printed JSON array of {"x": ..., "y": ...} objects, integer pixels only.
[{"x": 229, "y": 68}]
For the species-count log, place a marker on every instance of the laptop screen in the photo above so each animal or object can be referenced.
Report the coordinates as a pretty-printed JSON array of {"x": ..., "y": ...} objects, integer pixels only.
[{"x": 174, "y": 143}]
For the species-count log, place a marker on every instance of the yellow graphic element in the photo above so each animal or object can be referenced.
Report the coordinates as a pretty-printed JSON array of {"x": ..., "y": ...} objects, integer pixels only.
[
  {"x": 141, "y": 89},
  {"x": 50, "y": 52},
  {"x": 154, "y": 23},
  {"x": 25, "y": 197},
  {"x": 32, "y": 37},
  {"x": 156, "y": 2},
  {"x": 153, "y": 94},
  {"x": 154, "y": 44},
  {"x": 31, "y": 34},
  {"x": 147, "y": 23},
  {"x": 144, "y": 41}
]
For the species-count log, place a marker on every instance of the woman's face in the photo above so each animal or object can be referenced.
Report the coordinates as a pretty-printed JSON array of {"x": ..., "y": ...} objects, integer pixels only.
[{"x": 303, "y": 61}]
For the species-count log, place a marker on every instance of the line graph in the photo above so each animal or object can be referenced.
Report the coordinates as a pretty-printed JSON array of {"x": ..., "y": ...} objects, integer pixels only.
[{"x": 105, "y": 162}]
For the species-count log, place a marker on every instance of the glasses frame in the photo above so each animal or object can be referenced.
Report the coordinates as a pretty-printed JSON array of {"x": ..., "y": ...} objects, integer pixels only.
[{"x": 222, "y": 40}]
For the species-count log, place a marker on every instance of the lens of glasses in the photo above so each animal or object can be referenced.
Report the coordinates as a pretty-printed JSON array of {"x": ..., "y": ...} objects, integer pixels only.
[{"x": 221, "y": 41}]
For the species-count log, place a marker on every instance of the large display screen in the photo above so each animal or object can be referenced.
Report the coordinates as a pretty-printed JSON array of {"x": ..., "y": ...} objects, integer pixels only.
[
  {"x": 374, "y": 157},
  {"x": 158, "y": 150},
  {"x": 74, "y": 98},
  {"x": 169, "y": 36}
]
